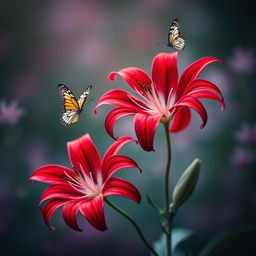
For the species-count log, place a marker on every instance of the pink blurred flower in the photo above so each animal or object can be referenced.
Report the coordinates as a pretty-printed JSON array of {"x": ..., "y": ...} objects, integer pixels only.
[
  {"x": 242, "y": 60},
  {"x": 246, "y": 134},
  {"x": 10, "y": 114},
  {"x": 242, "y": 157}
]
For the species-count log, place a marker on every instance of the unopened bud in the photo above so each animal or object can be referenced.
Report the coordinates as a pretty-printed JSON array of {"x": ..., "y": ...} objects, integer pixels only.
[{"x": 186, "y": 184}]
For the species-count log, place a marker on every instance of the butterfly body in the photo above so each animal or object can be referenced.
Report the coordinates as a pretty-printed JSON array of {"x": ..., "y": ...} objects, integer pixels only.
[
  {"x": 72, "y": 106},
  {"x": 175, "y": 39}
]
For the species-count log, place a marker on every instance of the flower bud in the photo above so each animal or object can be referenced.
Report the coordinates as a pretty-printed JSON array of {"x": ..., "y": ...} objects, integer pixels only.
[{"x": 186, "y": 184}]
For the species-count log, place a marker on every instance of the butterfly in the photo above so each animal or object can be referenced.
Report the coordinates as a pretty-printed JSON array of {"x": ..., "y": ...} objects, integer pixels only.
[
  {"x": 175, "y": 39},
  {"x": 72, "y": 106}
]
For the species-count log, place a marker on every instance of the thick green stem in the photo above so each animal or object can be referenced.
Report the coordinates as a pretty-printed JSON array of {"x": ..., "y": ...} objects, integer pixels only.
[
  {"x": 167, "y": 192},
  {"x": 128, "y": 217}
]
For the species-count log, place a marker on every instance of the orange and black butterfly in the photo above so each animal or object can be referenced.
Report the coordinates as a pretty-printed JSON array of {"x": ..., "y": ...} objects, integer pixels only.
[
  {"x": 72, "y": 106},
  {"x": 175, "y": 39}
]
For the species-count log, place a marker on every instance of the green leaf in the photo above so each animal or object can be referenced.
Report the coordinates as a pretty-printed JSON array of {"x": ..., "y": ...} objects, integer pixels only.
[
  {"x": 219, "y": 240},
  {"x": 181, "y": 239}
]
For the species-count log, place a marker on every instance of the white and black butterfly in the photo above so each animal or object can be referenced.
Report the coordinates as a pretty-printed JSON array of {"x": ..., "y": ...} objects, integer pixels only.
[
  {"x": 175, "y": 39},
  {"x": 72, "y": 106}
]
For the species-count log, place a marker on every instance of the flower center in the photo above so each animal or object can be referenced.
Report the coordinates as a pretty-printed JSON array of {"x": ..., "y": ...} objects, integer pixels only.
[
  {"x": 156, "y": 102},
  {"x": 84, "y": 183}
]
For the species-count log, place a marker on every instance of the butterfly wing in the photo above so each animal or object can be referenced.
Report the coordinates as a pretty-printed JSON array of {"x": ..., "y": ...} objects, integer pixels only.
[
  {"x": 69, "y": 117},
  {"x": 70, "y": 104},
  {"x": 175, "y": 39},
  {"x": 83, "y": 97}
]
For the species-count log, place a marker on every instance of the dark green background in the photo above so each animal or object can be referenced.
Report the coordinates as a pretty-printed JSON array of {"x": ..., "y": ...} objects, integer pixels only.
[{"x": 79, "y": 43}]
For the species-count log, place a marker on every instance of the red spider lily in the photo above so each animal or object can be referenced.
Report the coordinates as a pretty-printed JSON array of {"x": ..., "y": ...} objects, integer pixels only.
[
  {"x": 84, "y": 188},
  {"x": 163, "y": 97}
]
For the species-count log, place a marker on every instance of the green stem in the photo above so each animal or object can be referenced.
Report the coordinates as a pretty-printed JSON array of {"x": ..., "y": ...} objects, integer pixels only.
[
  {"x": 167, "y": 192},
  {"x": 128, "y": 217}
]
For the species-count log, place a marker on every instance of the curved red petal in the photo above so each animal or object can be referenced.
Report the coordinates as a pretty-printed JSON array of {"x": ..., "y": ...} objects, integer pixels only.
[
  {"x": 52, "y": 174},
  {"x": 49, "y": 208},
  {"x": 120, "y": 187},
  {"x": 116, "y": 163},
  {"x": 69, "y": 213},
  {"x": 60, "y": 191},
  {"x": 93, "y": 211},
  {"x": 114, "y": 115},
  {"x": 165, "y": 73},
  {"x": 202, "y": 84},
  {"x": 116, "y": 146},
  {"x": 181, "y": 119},
  {"x": 192, "y": 102},
  {"x": 145, "y": 127},
  {"x": 120, "y": 98},
  {"x": 193, "y": 71},
  {"x": 207, "y": 95},
  {"x": 84, "y": 155},
  {"x": 136, "y": 78}
]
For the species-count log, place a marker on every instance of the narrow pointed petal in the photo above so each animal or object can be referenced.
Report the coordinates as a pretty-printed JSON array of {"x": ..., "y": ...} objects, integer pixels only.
[
  {"x": 93, "y": 211},
  {"x": 60, "y": 191},
  {"x": 192, "y": 102},
  {"x": 145, "y": 127},
  {"x": 193, "y": 71},
  {"x": 52, "y": 174},
  {"x": 120, "y": 187},
  {"x": 49, "y": 208},
  {"x": 120, "y": 98},
  {"x": 181, "y": 119},
  {"x": 116, "y": 146},
  {"x": 83, "y": 153},
  {"x": 165, "y": 73},
  {"x": 202, "y": 84},
  {"x": 207, "y": 95},
  {"x": 69, "y": 213},
  {"x": 201, "y": 88},
  {"x": 116, "y": 163},
  {"x": 114, "y": 115},
  {"x": 137, "y": 79}
]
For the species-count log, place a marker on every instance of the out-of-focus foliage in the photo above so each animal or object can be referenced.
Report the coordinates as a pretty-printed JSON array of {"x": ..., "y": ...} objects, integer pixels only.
[{"x": 79, "y": 43}]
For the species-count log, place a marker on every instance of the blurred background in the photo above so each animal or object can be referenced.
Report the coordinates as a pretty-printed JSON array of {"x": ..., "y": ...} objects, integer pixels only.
[{"x": 79, "y": 43}]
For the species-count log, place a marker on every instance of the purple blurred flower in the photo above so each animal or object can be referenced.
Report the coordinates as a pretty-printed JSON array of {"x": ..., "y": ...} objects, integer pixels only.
[
  {"x": 242, "y": 60},
  {"x": 246, "y": 134},
  {"x": 242, "y": 157},
  {"x": 10, "y": 114}
]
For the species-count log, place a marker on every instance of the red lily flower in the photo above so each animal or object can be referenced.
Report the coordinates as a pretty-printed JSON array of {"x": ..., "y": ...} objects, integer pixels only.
[
  {"x": 163, "y": 97},
  {"x": 84, "y": 188}
]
